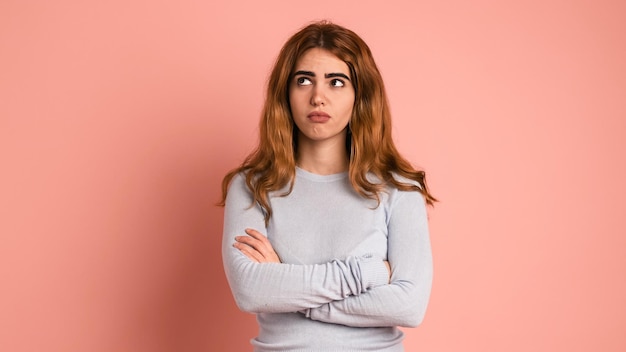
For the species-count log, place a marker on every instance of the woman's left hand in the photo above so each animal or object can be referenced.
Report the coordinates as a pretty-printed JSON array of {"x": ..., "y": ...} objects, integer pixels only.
[{"x": 256, "y": 247}]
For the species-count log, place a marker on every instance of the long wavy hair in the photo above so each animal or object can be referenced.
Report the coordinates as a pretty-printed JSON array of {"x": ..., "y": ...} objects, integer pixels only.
[{"x": 272, "y": 165}]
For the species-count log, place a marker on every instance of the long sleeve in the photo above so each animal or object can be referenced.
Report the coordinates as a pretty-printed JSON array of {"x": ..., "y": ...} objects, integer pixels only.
[
  {"x": 277, "y": 287},
  {"x": 403, "y": 302}
]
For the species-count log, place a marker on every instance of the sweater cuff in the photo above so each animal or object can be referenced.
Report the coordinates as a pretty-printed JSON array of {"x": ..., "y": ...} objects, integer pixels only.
[{"x": 374, "y": 272}]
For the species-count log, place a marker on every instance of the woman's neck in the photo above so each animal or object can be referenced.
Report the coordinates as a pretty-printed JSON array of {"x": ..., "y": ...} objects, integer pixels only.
[{"x": 322, "y": 158}]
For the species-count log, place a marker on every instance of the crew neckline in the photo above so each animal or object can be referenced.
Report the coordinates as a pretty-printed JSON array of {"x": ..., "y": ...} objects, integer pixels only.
[{"x": 320, "y": 178}]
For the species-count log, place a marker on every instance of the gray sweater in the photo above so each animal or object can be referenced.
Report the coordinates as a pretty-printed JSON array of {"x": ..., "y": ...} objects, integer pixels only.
[{"x": 332, "y": 291}]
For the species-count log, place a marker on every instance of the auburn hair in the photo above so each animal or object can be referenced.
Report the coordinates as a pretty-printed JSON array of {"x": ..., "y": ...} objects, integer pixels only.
[{"x": 272, "y": 164}]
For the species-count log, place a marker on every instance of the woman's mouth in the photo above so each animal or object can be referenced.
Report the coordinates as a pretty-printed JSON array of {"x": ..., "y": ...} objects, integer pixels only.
[{"x": 318, "y": 116}]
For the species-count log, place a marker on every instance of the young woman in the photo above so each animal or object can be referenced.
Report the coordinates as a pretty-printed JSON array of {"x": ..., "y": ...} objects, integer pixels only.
[{"x": 325, "y": 226}]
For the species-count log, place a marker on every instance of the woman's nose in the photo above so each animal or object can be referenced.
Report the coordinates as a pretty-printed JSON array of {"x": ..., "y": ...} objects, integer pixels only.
[{"x": 318, "y": 98}]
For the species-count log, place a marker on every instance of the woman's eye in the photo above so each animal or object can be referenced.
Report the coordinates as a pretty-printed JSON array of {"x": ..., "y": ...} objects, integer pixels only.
[
  {"x": 337, "y": 83},
  {"x": 303, "y": 81}
]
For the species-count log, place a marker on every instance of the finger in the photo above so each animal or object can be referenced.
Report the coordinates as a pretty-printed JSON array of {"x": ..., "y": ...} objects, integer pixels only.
[
  {"x": 257, "y": 235},
  {"x": 265, "y": 251},
  {"x": 257, "y": 248},
  {"x": 258, "y": 241},
  {"x": 249, "y": 252},
  {"x": 252, "y": 242}
]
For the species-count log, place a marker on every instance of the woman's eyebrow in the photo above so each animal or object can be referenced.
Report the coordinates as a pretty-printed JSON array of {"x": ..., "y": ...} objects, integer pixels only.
[
  {"x": 304, "y": 73},
  {"x": 327, "y": 75},
  {"x": 337, "y": 74}
]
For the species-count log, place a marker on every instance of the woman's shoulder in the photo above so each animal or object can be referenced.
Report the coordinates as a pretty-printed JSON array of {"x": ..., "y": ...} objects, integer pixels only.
[
  {"x": 407, "y": 189},
  {"x": 238, "y": 183},
  {"x": 405, "y": 180},
  {"x": 389, "y": 184}
]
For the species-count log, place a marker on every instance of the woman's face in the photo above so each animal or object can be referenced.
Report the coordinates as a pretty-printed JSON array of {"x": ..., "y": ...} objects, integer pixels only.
[{"x": 321, "y": 96}]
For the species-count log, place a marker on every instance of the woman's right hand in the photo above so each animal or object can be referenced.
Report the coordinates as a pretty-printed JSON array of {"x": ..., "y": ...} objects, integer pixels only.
[{"x": 256, "y": 247}]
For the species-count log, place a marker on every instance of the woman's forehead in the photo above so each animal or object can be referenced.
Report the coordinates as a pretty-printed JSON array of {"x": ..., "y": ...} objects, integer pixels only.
[{"x": 320, "y": 59}]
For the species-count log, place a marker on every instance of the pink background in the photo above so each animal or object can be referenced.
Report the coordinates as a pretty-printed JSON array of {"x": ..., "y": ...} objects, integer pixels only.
[{"x": 118, "y": 120}]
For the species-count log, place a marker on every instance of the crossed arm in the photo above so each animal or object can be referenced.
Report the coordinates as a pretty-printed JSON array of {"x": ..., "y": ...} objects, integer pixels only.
[
  {"x": 259, "y": 249},
  {"x": 261, "y": 284},
  {"x": 354, "y": 291}
]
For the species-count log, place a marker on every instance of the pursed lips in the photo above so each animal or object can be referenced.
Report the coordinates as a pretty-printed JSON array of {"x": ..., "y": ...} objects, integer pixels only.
[{"x": 318, "y": 116}]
